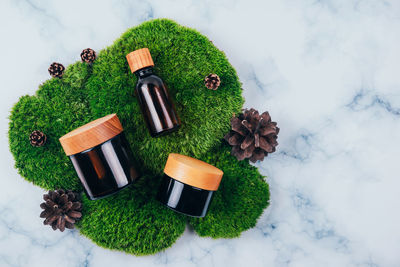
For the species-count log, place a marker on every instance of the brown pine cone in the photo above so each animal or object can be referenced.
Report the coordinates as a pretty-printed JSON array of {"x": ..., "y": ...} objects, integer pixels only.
[
  {"x": 56, "y": 70},
  {"x": 37, "y": 138},
  {"x": 212, "y": 81},
  {"x": 252, "y": 136},
  {"x": 88, "y": 55},
  {"x": 62, "y": 209}
]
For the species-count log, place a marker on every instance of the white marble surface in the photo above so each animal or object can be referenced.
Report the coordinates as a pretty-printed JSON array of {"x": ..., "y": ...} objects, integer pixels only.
[{"x": 328, "y": 72}]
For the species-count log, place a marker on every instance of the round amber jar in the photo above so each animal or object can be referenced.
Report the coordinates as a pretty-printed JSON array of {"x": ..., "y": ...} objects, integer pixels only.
[
  {"x": 101, "y": 156},
  {"x": 188, "y": 185}
]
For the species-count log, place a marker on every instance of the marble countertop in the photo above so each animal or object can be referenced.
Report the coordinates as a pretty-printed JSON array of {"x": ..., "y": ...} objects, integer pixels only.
[{"x": 326, "y": 70}]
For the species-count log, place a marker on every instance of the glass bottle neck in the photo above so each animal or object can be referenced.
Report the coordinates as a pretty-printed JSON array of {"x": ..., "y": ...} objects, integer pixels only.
[{"x": 144, "y": 72}]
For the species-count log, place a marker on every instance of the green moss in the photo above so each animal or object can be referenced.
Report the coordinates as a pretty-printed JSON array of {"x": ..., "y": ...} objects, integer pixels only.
[
  {"x": 59, "y": 106},
  {"x": 132, "y": 220},
  {"x": 239, "y": 201}
]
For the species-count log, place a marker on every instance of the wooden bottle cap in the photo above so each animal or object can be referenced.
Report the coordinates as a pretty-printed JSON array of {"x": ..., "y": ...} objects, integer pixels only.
[
  {"x": 193, "y": 172},
  {"x": 139, "y": 59},
  {"x": 92, "y": 134}
]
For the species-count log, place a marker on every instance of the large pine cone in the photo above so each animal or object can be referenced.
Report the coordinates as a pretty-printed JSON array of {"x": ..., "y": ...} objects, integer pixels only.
[
  {"x": 252, "y": 136},
  {"x": 61, "y": 209}
]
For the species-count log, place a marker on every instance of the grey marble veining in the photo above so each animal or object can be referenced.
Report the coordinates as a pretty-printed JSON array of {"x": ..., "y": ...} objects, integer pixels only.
[{"x": 328, "y": 73}]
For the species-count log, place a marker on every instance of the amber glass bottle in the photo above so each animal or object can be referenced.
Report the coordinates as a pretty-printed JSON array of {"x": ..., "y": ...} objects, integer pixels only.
[{"x": 155, "y": 102}]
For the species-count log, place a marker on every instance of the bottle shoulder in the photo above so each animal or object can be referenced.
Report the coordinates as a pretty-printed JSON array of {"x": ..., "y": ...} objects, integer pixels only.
[{"x": 150, "y": 79}]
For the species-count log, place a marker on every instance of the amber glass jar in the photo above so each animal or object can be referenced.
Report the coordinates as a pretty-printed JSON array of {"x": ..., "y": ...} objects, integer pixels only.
[
  {"x": 188, "y": 185},
  {"x": 155, "y": 102},
  {"x": 101, "y": 156}
]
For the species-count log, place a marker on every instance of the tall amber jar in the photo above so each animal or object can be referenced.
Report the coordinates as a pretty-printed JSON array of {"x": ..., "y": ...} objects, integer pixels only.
[
  {"x": 155, "y": 102},
  {"x": 101, "y": 156}
]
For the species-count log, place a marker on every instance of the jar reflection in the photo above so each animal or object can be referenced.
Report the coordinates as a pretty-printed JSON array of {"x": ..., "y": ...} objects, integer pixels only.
[{"x": 106, "y": 168}]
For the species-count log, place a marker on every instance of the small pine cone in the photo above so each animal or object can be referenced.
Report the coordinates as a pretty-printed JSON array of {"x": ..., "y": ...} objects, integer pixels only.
[
  {"x": 62, "y": 208},
  {"x": 253, "y": 136},
  {"x": 212, "y": 81},
  {"x": 56, "y": 70},
  {"x": 37, "y": 138},
  {"x": 88, "y": 55}
]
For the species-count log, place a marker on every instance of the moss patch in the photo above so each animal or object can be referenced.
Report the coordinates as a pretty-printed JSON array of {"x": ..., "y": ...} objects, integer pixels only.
[
  {"x": 59, "y": 106},
  {"x": 239, "y": 201},
  {"x": 132, "y": 220}
]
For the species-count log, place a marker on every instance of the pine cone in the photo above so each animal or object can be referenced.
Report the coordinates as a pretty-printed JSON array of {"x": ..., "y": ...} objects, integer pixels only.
[
  {"x": 252, "y": 136},
  {"x": 212, "y": 81},
  {"x": 37, "y": 138},
  {"x": 62, "y": 209},
  {"x": 88, "y": 55},
  {"x": 56, "y": 70}
]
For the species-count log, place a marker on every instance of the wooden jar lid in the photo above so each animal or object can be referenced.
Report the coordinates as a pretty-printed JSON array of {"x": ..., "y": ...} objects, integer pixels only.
[
  {"x": 91, "y": 134},
  {"x": 139, "y": 59},
  {"x": 193, "y": 172}
]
